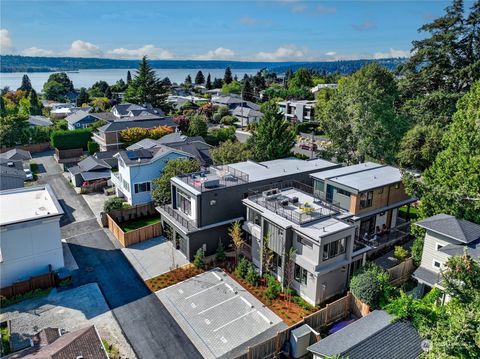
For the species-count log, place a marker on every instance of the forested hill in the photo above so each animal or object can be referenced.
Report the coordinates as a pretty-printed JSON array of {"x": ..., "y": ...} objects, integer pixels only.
[{"x": 15, "y": 63}]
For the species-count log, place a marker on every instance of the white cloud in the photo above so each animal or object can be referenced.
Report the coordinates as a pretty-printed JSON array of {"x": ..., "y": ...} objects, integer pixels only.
[
  {"x": 152, "y": 52},
  {"x": 391, "y": 53},
  {"x": 6, "y": 43},
  {"x": 35, "y": 51},
  {"x": 219, "y": 53},
  {"x": 331, "y": 53},
  {"x": 283, "y": 53},
  {"x": 81, "y": 48}
]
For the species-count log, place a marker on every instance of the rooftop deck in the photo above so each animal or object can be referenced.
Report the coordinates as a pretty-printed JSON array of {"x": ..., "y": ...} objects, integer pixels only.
[{"x": 214, "y": 177}]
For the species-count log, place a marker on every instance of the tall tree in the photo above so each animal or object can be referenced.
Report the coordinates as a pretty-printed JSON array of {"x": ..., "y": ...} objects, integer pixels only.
[
  {"x": 199, "y": 78},
  {"x": 452, "y": 184},
  {"x": 146, "y": 88},
  {"x": 83, "y": 97},
  {"x": 26, "y": 84},
  {"x": 57, "y": 86},
  {"x": 361, "y": 119},
  {"x": 227, "y": 77},
  {"x": 274, "y": 136},
  {"x": 35, "y": 104},
  {"x": 208, "y": 84},
  {"x": 108, "y": 93},
  {"x": 247, "y": 90},
  {"x": 217, "y": 83},
  {"x": 303, "y": 78},
  {"x": 231, "y": 152},
  {"x": 198, "y": 126},
  {"x": 129, "y": 77}
]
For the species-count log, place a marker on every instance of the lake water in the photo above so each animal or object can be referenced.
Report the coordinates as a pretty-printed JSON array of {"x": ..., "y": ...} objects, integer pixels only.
[{"x": 86, "y": 78}]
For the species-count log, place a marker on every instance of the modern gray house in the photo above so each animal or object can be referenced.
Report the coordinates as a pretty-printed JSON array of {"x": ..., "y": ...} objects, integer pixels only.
[
  {"x": 286, "y": 215},
  {"x": 445, "y": 236},
  {"x": 204, "y": 204}
]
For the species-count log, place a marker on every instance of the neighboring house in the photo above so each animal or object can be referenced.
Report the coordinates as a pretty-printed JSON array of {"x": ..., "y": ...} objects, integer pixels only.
[
  {"x": 291, "y": 216},
  {"x": 232, "y": 102},
  {"x": 320, "y": 87},
  {"x": 445, "y": 236},
  {"x": 302, "y": 110},
  {"x": 377, "y": 335},
  {"x": 54, "y": 343},
  {"x": 88, "y": 170},
  {"x": 30, "y": 233},
  {"x": 65, "y": 111},
  {"x": 12, "y": 174},
  {"x": 132, "y": 110},
  {"x": 81, "y": 119},
  {"x": 179, "y": 101},
  {"x": 372, "y": 195},
  {"x": 39, "y": 121},
  {"x": 108, "y": 136},
  {"x": 205, "y": 203},
  {"x": 138, "y": 168},
  {"x": 246, "y": 115},
  {"x": 16, "y": 154}
]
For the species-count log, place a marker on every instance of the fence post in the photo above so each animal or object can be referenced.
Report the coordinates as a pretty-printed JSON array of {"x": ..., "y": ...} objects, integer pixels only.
[{"x": 249, "y": 353}]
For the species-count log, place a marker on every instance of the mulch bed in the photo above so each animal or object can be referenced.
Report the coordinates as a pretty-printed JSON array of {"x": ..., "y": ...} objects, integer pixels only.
[{"x": 173, "y": 277}]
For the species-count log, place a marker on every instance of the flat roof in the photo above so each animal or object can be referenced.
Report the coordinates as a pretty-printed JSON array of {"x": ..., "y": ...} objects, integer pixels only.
[
  {"x": 27, "y": 204},
  {"x": 345, "y": 170},
  {"x": 258, "y": 171}
]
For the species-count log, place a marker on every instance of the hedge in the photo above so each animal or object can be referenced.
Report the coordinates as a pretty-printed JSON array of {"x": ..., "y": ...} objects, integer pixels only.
[{"x": 71, "y": 139}]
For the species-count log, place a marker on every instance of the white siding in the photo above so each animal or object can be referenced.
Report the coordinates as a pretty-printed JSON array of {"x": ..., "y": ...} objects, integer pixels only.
[{"x": 430, "y": 252}]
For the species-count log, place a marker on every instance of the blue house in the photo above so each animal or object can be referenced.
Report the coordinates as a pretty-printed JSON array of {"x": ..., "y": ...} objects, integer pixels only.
[
  {"x": 81, "y": 119},
  {"x": 137, "y": 169}
]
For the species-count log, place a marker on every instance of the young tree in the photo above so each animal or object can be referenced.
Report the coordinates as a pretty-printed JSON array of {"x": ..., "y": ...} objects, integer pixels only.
[
  {"x": 235, "y": 233},
  {"x": 35, "y": 104},
  {"x": 227, "y": 77},
  {"x": 220, "y": 253},
  {"x": 290, "y": 271},
  {"x": 267, "y": 254},
  {"x": 26, "y": 84},
  {"x": 231, "y": 152},
  {"x": 199, "y": 259},
  {"x": 274, "y": 136},
  {"x": 146, "y": 87},
  {"x": 208, "y": 84},
  {"x": 83, "y": 97},
  {"x": 198, "y": 126},
  {"x": 161, "y": 190},
  {"x": 361, "y": 119},
  {"x": 199, "y": 78}
]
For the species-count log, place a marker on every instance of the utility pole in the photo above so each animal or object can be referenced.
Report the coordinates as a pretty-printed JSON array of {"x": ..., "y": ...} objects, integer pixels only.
[{"x": 313, "y": 143}]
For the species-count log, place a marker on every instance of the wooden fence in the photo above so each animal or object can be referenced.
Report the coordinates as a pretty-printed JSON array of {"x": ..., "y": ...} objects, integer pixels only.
[
  {"x": 401, "y": 272},
  {"x": 331, "y": 313},
  {"x": 134, "y": 236},
  {"x": 130, "y": 214},
  {"x": 32, "y": 148},
  {"x": 97, "y": 186},
  {"x": 42, "y": 281}
]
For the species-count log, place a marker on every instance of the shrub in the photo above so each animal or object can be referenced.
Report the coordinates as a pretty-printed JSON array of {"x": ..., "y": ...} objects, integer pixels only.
[
  {"x": 217, "y": 117},
  {"x": 228, "y": 120},
  {"x": 67, "y": 140},
  {"x": 217, "y": 135},
  {"x": 273, "y": 287},
  {"x": 199, "y": 259},
  {"x": 301, "y": 302},
  {"x": 400, "y": 253},
  {"x": 220, "y": 254},
  {"x": 112, "y": 204},
  {"x": 371, "y": 285},
  {"x": 252, "y": 275},
  {"x": 242, "y": 268},
  {"x": 92, "y": 147}
]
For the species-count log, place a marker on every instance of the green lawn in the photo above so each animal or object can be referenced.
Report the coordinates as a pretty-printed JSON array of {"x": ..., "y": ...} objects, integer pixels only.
[
  {"x": 402, "y": 212},
  {"x": 139, "y": 223}
]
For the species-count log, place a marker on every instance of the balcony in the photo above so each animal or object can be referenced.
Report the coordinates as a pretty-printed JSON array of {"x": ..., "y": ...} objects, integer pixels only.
[
  {"x": 177, "y": 218},
  {"x": 394, "y": 235},
  {"x": 214, "y": 177},
  {"x": 115, "y": 178}
]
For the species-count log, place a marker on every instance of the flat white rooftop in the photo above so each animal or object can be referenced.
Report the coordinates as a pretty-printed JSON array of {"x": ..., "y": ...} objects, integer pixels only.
[
  {"x": 258, "y": 171},
  {"x": 341, "y": 171},
  {"x": 28, "y": 203}
]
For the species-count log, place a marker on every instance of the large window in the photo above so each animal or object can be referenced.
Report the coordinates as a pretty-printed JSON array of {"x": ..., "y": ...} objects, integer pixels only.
[
  {"x": 300, "y": 275},
  {"x": 126, "y": 185},
  {"x": 334, "y": 249},
  {"x": 142, "y": 187},
  {"x": 184, "y": 203},
  {"x": 341, "y": 191},
  {"x": 304, "y": 241},
  {"x": 254, "y": 217},
  {"x": 276, "y": 263},
  {"x": 319, "y": 185},
  {"x": 366, "y": 199}
]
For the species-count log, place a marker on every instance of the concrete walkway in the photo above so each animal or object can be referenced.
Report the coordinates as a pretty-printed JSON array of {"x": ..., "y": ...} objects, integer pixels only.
[{"x": 153, "y": 257}]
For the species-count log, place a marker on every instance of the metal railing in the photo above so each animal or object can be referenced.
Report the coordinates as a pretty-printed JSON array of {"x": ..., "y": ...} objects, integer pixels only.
[
  {"x": 179, "y": 219},
  {"x": 226, "y": 176},
  {"x": 395, "y": 234},
  {"x": 324, "y": 209}
]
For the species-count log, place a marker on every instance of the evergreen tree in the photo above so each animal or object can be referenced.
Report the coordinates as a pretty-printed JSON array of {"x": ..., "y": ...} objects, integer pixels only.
[
  {"x": 108, "y": 93},
  {"x": 146, "y": 88},
  {"x": 247, "y": 90},
  {"x": 166, "y": 82},
  {"x": 83, "y": 97},
  {"x": 217, "y": 83},
  {"x": 199, "y": 78},
  {"x": 35, "y": 105},
  {"x": 227, "y": 78},
  {"x": 129, "y": 77},
  {"x": 274, "y": 136},
  {"x": 26, "y": 84},
  {"x": 208, "y": 84},
  {"x": 287, "y": 77},
  {"x": 3, "y": 108}
]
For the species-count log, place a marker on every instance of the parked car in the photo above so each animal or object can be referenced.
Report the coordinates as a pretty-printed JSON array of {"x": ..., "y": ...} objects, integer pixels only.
[
  {"x": 308, "y": 146},
  {"x": 28, "y": 174}
]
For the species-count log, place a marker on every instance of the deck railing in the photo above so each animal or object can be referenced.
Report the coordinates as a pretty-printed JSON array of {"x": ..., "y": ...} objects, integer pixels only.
[{"x": 179, "y": 219}]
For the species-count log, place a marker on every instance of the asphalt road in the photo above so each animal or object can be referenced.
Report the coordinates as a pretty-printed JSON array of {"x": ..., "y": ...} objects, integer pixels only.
[{"x": 146, "y": 323}]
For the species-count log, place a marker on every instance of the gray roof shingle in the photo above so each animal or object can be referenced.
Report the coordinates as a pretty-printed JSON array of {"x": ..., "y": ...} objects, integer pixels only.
[
  {"x": 451, "y": 227},
  {"x": 16, "y": 154},
  {"x": 149, "y": 121}
]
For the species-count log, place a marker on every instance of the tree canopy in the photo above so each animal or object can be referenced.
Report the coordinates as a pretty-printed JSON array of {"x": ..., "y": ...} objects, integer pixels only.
[{"x": 231, "y": 151}]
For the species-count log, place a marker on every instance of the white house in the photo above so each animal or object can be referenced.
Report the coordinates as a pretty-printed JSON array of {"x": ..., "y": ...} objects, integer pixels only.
[{"x": 29, "y": 233}]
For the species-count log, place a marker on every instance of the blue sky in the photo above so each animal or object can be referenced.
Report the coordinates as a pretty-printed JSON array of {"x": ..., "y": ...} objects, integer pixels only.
[{"x": 282, "y": 30}]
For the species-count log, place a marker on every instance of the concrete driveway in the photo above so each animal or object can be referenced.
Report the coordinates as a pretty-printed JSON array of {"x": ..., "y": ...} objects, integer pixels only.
[
  {"x": 153, "y": 257},
  {"x": 95, "y": 201}
]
